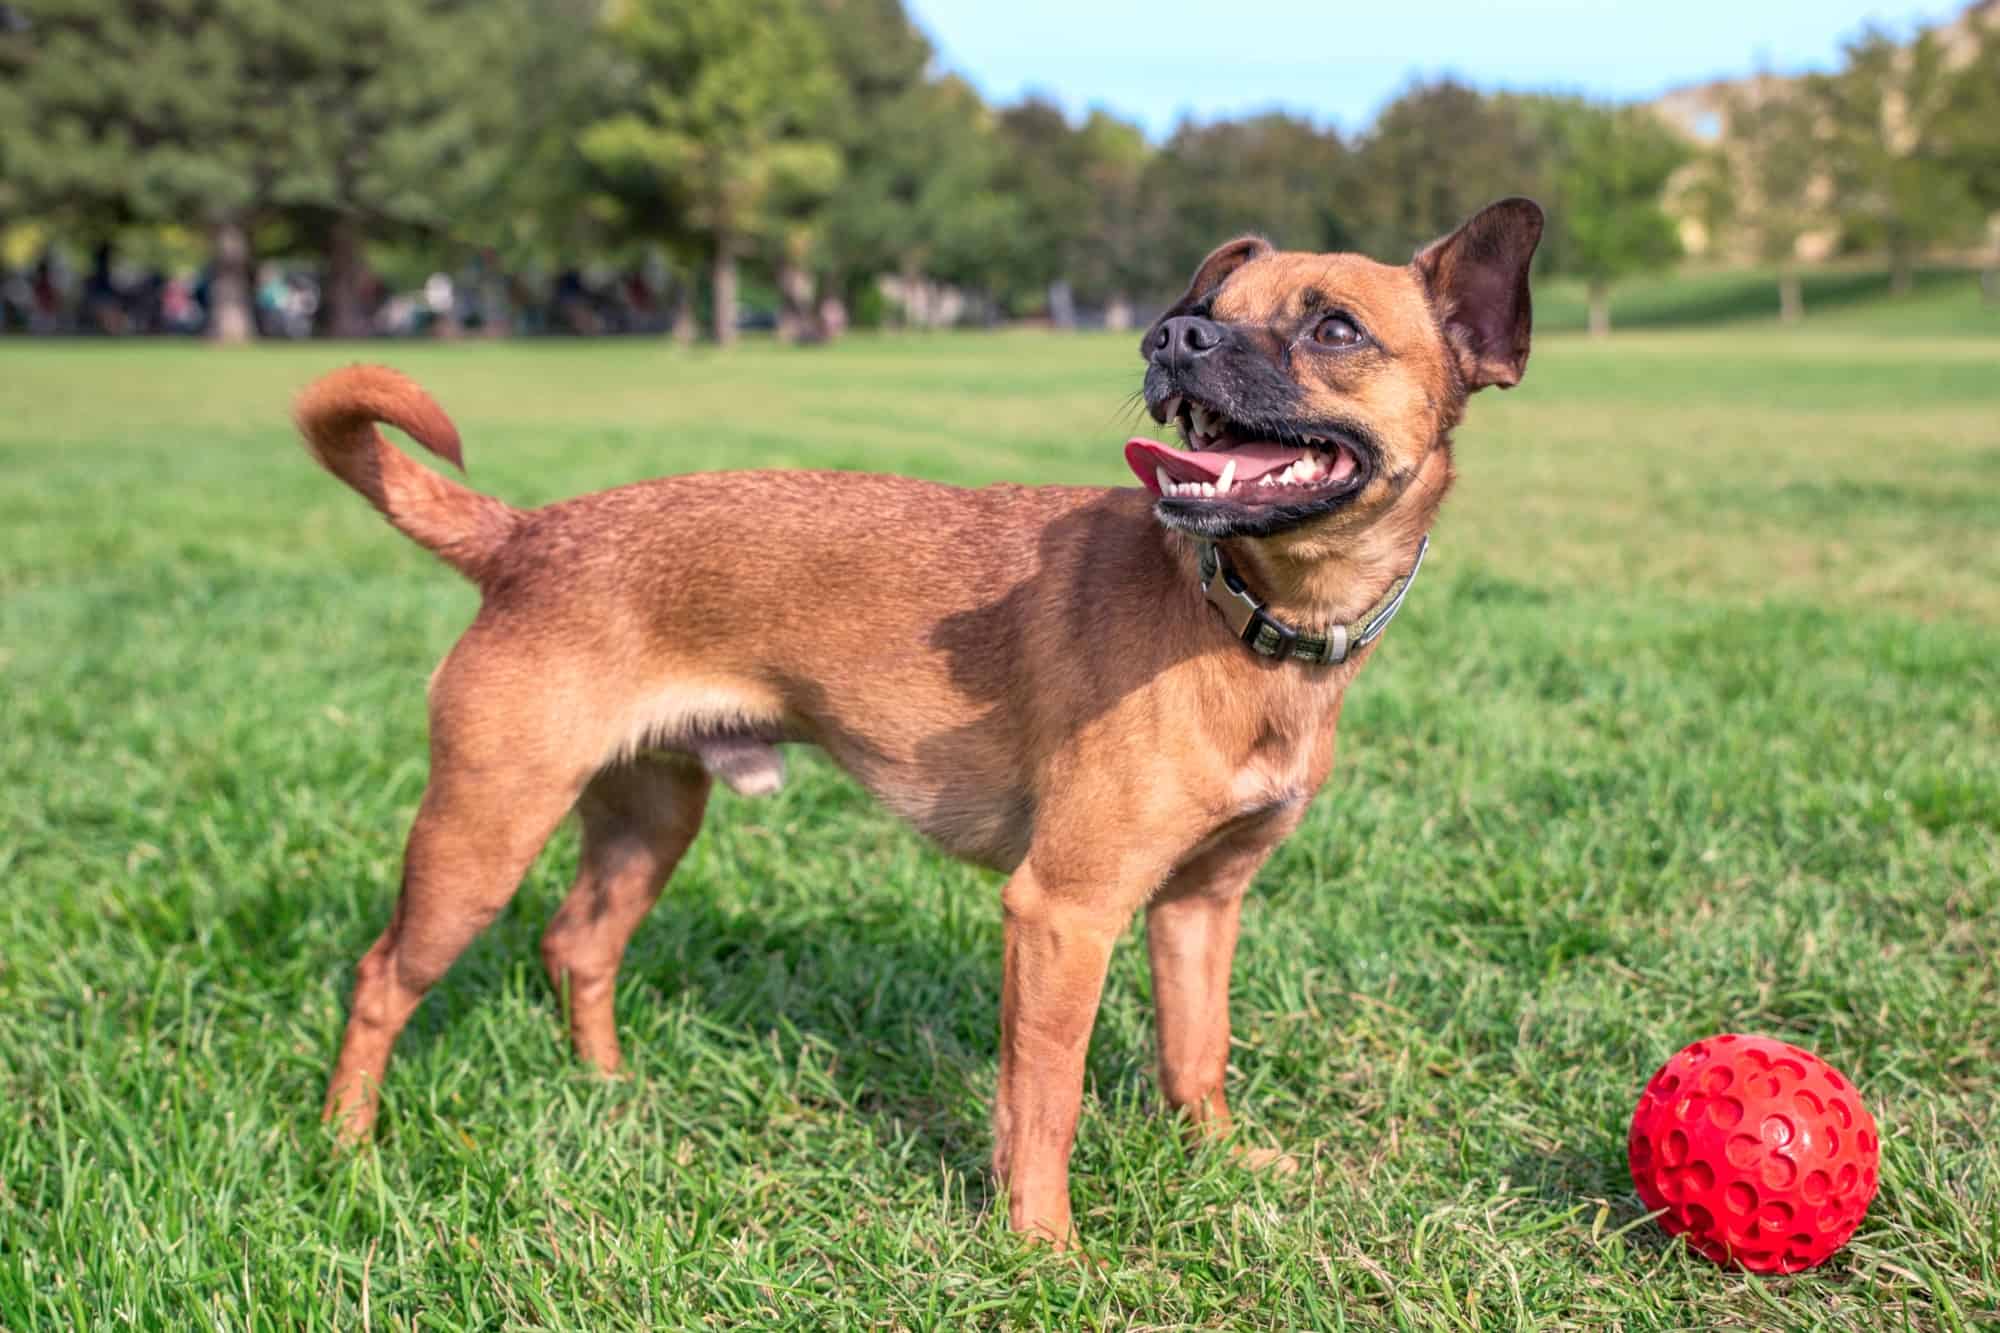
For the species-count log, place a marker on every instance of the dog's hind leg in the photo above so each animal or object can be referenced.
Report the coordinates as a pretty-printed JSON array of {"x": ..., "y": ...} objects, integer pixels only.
[
  {"x": 470, "y": 845},
  {"x": 638, "y": 819},
  {"x": 505, "y": 769}
]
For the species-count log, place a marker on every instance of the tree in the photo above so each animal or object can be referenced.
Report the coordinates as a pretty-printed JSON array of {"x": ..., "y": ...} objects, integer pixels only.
[
  {"x": 400, "y": 118},
  {"x": 528, "y": 201},
  {"x": 1079, "y": 189},
  {"x": 1609, "y": 168},
  {"x": 897, "y": 133},
  {"x": 1772, "y": 152},
  {"x": 1968, "y": 134},
  {"x": 1436, "y": 155},
  {"x": 725, "y": 126},
  {"x": 178, "y": 134},
  {"x": 343, "y": 120},
  {"x": 923, "y": 196},
  {"x": 1273, "y": 174},
  {"x": 1041, "y": 170},
  {"x": 1886, "y": 117},
  {"x": 1114, "y": 263}
]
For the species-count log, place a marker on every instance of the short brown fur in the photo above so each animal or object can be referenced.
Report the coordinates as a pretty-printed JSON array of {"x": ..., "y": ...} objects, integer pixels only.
[{"x": 1028, "y": 675}]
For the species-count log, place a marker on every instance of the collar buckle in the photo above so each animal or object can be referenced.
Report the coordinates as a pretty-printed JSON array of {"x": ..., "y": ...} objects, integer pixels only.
[
  {"x": 1272, "y": 638},
  {"x": 1240, "y": 611}
]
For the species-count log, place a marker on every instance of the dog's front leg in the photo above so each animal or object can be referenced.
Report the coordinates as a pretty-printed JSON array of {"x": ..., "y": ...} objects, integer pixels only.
[
  {"x": 1059, "y": 938},
  {"x": 1191, "y": 929}
]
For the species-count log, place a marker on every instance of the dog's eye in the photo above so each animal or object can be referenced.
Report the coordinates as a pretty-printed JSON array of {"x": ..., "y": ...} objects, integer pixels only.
[{"x": 1337, "y": 331}]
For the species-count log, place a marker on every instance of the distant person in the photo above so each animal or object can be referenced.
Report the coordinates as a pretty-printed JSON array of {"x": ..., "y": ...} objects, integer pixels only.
[
  {"x": 270, "y": 302},
  {"x": 144, "y": 302},
  {"x": 180, "y": 308},
  {"x": 45, "y": 307},
  {"x": 103, "y": 303},
  {"x": 441, "y": 299},
  {"x": 575, "y": 310}
]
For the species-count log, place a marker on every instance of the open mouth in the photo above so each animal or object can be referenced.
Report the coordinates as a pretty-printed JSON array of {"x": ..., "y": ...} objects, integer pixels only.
[{"x": 1226, "y": 460}]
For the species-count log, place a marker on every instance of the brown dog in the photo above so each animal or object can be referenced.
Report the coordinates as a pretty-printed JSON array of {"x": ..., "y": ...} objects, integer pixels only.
[{"x": 1121, "y": 698}]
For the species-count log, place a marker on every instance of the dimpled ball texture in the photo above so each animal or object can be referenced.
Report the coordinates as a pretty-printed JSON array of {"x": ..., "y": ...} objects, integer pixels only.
[{"x": 1761, "y": 1154}]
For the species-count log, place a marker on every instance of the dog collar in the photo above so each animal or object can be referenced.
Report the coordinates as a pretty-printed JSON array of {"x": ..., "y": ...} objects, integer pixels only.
[{"x": 1271, "y": 637}]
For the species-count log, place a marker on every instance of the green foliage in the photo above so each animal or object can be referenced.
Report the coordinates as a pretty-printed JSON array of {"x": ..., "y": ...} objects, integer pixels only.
[
  {"x": 1778, "y": 161},
  {"x": 376, "y": 117},
  {"x": 1079, "y": 189},
  {"x": 923, "y": 192},
  {"x": 1436, "y": 155},
  {"x": 1664, "y": 743},
  {"x": 723, "y": 124},
  {"x": 374, "y": 108},
  {"x": 1966, "y": 130},
  {"x": 1273, "y": 174},
  {"x": 131, "y": 111},
  {"x": 1889, "y": 116},
  {"x": 1608, "y": 169}
]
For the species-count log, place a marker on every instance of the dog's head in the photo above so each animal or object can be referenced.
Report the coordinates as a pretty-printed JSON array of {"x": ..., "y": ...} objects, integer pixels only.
[{"x": 1310, "y": 390}]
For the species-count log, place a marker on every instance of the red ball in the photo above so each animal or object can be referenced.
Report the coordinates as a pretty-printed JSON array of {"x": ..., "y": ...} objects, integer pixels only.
[{"x": 1761, "y": 1153}]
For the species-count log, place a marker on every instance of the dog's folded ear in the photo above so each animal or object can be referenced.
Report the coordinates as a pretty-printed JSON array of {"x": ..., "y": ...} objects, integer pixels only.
[
  {"x": 1477, "y": 279},
  {"x": 1222, "y": 261}
]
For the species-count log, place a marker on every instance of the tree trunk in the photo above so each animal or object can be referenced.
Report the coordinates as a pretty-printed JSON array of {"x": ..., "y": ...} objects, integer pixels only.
[
  {"x": 1989, "y": 279},
  {"x": 346, "y": 280},
  {"x": 1902, "y": 273},
  {"x": 1791, "y": 296},
  {"x": 229, "y": 284},
  {"x": 1600, "y": 308},
  {"x": 722, "y": 287},
  {"x": 1118, "y": 313}
]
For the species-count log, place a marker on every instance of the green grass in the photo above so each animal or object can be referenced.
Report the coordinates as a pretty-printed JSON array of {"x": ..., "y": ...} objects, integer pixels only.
[
  {"x": 1852, "y": 300},
  {"x": 1693, "y": 725}
]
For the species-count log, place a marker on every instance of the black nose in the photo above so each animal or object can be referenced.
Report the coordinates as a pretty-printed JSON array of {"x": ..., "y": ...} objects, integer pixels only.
[{"x": 1183, "y": 338}]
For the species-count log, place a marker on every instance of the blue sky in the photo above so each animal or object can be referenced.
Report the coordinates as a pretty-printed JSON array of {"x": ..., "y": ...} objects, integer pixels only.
[{"x": 1338, "y": 61}]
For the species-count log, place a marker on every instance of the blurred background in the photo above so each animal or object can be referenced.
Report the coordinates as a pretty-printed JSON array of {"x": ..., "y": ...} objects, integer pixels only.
[{"x": 241, "y": 169}]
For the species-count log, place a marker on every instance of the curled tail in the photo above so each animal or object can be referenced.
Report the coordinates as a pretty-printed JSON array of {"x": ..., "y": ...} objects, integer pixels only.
[{"x": 337, "y": 414}]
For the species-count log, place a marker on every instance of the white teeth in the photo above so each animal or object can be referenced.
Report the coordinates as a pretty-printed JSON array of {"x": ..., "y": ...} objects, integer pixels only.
[
  {"x": 1172, "y": 408},
  {"x": 1308, "y": 468},
  {"x": 1166, "y": 482},
  {"x": 1228, "y": 478},
  {"x": 1207, "y": 491}
]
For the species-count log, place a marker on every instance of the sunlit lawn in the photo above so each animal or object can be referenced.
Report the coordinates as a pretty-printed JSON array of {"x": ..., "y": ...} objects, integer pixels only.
[{"x": 1693, "y": 725}]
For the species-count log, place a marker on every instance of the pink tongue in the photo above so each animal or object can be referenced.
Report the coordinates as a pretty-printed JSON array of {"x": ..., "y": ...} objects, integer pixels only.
[{"x": 1252, "y": 461}]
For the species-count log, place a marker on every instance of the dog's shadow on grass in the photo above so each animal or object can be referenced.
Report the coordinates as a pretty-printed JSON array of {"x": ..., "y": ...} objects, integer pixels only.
[
  {"x": 891, "y": 1009},
  {"x": 897, "y": 1011}
]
